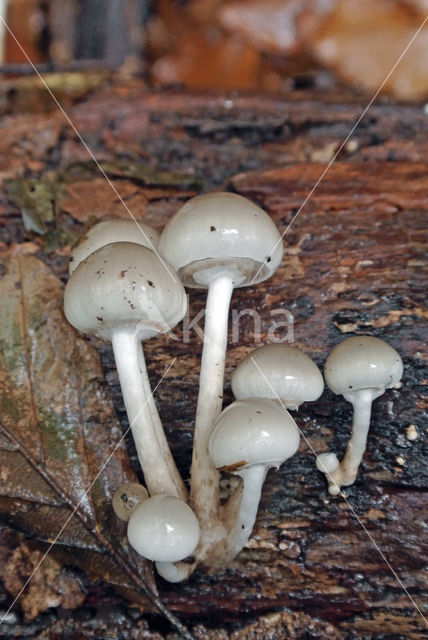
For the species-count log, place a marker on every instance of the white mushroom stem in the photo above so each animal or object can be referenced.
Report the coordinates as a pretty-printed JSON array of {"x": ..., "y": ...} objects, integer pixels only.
[
  {"x": 362, "y": 403},
  {"x": 204, "y": 476},
  {"x": 253, "y": 479},
  {"x": 150, "y": 442},
  {"x": 344, "y": 474}
]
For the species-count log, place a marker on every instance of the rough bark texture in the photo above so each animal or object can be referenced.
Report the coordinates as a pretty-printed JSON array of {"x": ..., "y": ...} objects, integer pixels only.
[{"x": 316, "y": 566}]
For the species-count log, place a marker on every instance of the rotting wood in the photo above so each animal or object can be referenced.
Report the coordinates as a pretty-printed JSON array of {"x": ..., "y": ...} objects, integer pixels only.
[{"x": 353, "y": 263}]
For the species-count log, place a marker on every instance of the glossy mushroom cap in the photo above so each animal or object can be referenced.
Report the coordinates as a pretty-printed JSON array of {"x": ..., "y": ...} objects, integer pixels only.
[
  {"x": 164, "y": 529},
  {"x": 219, "y": 233},
  {"x": 278, "y": 371},
  {"x": 252, "y": 432},
  {"x": 124, "y": 285},
  {"x": 362, "y": 362},
  {"x": 113, "y": 230}
]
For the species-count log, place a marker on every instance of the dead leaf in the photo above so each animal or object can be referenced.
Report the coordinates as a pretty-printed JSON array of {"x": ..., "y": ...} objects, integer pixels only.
[{"x": 61, "y": 456}]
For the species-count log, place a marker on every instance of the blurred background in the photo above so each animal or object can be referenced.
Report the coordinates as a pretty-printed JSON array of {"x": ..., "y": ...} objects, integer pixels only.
[{"x": 234, "y": 44}]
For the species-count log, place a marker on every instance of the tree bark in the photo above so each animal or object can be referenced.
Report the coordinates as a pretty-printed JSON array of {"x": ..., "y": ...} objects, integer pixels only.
[{"x": 353, "y": 265}]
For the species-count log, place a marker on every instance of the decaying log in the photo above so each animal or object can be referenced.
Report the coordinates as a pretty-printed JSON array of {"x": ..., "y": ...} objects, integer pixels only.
[{"x": 321, "y": 566}]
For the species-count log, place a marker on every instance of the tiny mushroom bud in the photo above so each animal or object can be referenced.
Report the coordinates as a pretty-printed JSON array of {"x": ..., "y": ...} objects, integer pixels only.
[
  {"x": 360, "y": 368},
  {"x": 280, "y": 372},
  {"x": 327, "y": 462},
  {"x": 164, "y": 529},
  {"x": 250, "y": 437},
  {"x": 127, "y": 498},
  {"x": 123, "y": 293},
  {"x": 112, "y": 230},
  {"x": 217, "y": 241}
]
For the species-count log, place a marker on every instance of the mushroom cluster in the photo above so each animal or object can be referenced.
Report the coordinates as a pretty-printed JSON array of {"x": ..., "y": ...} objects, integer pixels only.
[{"x": 126, "y": 285}]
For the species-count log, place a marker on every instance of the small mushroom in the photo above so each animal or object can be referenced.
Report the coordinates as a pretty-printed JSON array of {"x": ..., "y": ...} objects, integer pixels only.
[
  {"x": 327, "y": 462},
  {"x": 109, "y": 231},
  {"x": 109, "y": 295},
  {"x": 360, "y": 368},
  {"x": 127, "y": 498},
  {"x": 217, "y": 241},
  {"x": 280, "y": 372},
  {"x": 250, "y": 437},
  {"x": 164, "y": 529}
]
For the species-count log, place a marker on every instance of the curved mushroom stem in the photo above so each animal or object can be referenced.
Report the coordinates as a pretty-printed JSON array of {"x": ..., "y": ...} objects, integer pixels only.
[
  {"x": 204, "y": 475},
  {"x": 238, "y": 517},
  {"x": 253, "y": 479},
  {"x": 344, "y": 474},
  {"x": 150, "y": 442},
  {"x": 362, "y": 403}
]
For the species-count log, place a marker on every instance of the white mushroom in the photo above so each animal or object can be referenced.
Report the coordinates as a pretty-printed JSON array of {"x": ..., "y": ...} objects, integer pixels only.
[
  {"x": 217, "y": 241},
  {"x": 164, "y": 529},
  {"x": 250, "y": 437},
  {"x": 109, "y": 231},
  {"x": 123, "y": 293},
  {"x": 327, "y": 462},
  {"x": 280, "y": 372},
  {"x": 360, "y": 368}
]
